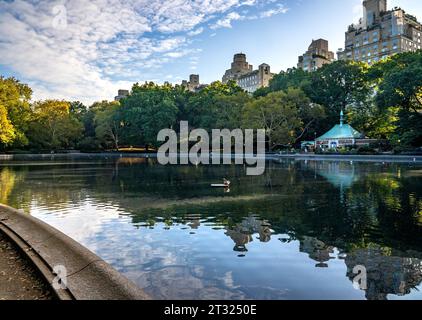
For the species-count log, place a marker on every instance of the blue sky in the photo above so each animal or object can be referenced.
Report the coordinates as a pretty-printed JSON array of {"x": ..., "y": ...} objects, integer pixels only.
[{"x": 86, "y": 50}]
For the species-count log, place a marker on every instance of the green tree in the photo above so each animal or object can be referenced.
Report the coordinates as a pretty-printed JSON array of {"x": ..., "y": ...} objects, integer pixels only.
[
  {"x": 109, "y": 125},
  {"x": 52, "y": 126},
  {"x": 147, "y": 110},
  {"x": 7, "y": 131},
  {"x": 216, "y": 106},
  {"x": 311, "y": 114},
  {"x": 374, "y": 122},
  {"x": 78, "y": 109},
  {"x": 285, "y": 116},
  {"x": 341, "y": 85},
  {"x": 399, "y": 81},
  {"x": 228, "y": 110},
  {"x": 15, "y": 112},
  {"x": 292, "y": 78}
]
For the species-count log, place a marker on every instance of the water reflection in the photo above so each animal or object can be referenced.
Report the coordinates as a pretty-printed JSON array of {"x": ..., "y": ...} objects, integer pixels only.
[
  {"x": 317, "y": 250},
  {"x": 242, "y": 233},
  {"x": 296, "y": 232},
  {"x": 387, "y": 272}
]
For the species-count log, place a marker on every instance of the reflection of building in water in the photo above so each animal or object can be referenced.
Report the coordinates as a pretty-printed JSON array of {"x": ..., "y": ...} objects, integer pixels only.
[
  {"x": 386, "y": 274},
  {"x": 192, "y": 220},
  {"x": 242, "y": 232},
  {"x": 339, "y": 174},
  {"x": 194, "y": 224},
  {"x": 317, "y": 250}
]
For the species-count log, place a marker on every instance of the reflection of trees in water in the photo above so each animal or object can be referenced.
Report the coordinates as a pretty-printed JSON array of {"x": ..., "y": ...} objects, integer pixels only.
[
  {"x": 10, "y": 179},
  {"x": 241, "y": 233},
  {"x": 317, "y": 250},
  {"x": 315, "y": 203},
  {"x": 387, "y": 273},
  {"x": 394, "y": 205},
  {"x": 7, "y": 180},
  {"x": 50, "y": 187}
]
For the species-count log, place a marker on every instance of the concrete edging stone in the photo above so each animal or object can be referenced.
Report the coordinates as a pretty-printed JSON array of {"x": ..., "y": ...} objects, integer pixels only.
[{"x": 88, "y": 276}]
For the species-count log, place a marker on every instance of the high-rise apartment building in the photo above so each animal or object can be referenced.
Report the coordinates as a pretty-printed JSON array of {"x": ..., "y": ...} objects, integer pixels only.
[
  {"x": 193, "y": 83},
  {"x": 256, "y": 79},
  {"x": 239, "y": 67},
  {"x": 121, "y": 94},
  {"x": 317, "y": 55},
  {"x": 248, "y": 79},
  {"x": 381, "y": 33}
]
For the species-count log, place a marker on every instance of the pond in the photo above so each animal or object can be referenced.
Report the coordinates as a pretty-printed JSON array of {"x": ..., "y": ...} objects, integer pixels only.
[{"x": 296, "y": 232}]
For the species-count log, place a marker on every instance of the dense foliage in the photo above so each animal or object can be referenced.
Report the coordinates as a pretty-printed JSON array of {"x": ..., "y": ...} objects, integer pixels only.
[{"x": 384, "y": 101}]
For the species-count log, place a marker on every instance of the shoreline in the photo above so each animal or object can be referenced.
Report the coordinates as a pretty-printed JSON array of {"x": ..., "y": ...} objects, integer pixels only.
[
  {"x": 357, "y": 158},
  {"x": 88, "y": 277},
  {"x": 269, "y": 156}
]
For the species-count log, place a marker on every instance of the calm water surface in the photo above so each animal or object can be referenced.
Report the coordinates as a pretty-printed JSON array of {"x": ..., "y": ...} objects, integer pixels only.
[{"x": 296, "y": 232}]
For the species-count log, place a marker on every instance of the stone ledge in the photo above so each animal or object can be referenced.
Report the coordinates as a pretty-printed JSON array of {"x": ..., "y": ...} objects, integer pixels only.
[
  {"x": 357, "y": 158},
  {"x": 88, "y": 276}
]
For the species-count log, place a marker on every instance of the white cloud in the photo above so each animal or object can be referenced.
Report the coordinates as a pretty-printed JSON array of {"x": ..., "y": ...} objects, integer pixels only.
[
  {"x": 86, "y": 50},
  {"x": 226, "y": 22},
  {"x": 271, "y": 12},
  {"x": 177, "y": 54},
  {"x": 196, "y": 32},
  {"x": 248, "y": 2}
]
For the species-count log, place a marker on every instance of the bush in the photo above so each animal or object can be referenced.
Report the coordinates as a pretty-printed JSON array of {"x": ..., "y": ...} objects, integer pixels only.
[
  {"x": 18, "y": 151},
  {"x": 332, "y": 150},
  {"x": 88, "y": 144},
  {"x": 406, "y": 150},
  {"x": 381, "y": 146},
  {"x": 366, "y": 150},
  {"x": 344, "y": 150}
]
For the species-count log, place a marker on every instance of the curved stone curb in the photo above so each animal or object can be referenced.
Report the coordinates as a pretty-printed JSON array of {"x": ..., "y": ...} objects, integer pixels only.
[{"x": 88, "y": 276}]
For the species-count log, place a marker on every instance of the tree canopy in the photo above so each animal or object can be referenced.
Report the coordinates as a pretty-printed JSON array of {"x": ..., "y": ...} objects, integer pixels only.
[
  {"x": 383, "y": 101},
  {"x": 15, "y": 112}
]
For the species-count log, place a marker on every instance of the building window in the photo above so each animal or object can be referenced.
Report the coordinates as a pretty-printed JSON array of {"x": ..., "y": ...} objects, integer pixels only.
[
  {"x": 395, "y": 45},
  {"x": 375, "y": 36}
]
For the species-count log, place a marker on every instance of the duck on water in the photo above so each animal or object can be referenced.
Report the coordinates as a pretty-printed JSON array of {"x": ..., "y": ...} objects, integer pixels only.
[{"x": 225, "y": 184}]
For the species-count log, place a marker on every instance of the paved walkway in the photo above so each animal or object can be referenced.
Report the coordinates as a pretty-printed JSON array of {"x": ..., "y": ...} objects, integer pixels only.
[{"x": 18, "y": 279}]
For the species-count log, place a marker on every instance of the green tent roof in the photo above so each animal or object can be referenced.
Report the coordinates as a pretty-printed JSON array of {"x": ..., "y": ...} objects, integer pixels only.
[{"x": 341, "y": 131}]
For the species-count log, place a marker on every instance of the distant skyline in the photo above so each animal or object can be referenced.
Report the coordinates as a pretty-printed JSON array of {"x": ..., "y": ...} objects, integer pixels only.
[{"x": 80, "y": 50}]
